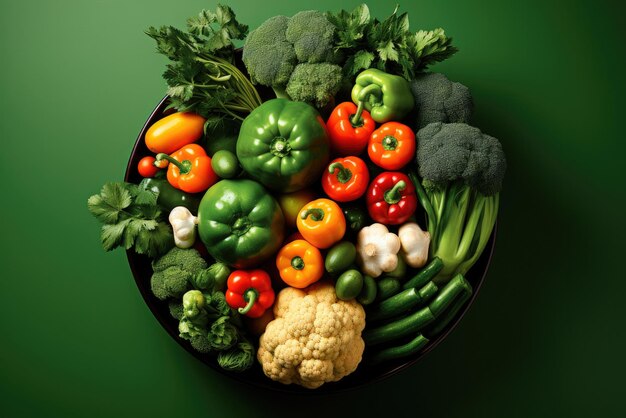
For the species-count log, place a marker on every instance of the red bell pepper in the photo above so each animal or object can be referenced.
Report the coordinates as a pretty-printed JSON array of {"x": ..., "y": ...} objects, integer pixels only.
[
  {"x": 250, "y": 292},
  {"x": 349, "y": 128},
  {"x": 346, "y": 179},
  {"x": 392, "y": 146},
  {"x": 391, "y": 198},
  {"x": 189, "y": 169}
]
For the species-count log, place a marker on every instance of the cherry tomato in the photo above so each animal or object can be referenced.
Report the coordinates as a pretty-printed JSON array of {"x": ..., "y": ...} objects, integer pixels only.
[{"x": 146, "y": 167}]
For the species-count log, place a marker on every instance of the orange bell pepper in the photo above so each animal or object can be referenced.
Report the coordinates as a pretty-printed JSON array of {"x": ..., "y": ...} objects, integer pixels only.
[
  {"x": 321, "y": 222},
  {"x": 392, "y": 146},
  {"x": 189, "y": 169},
  {"x": 300, "y": 264}
]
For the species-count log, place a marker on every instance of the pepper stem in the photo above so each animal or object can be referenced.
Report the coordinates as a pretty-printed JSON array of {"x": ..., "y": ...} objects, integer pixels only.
[
  {"x": 297, "y": 263},
  {"x": 184, "y": 166},
  {"x": 390, "y": 143},
  {"x": 249, "y": 296},
  {"x": 317, "y": 214},
  {"x": 393, "y": 196},
  {"x": 344, "y": 174},
  {"x": 356, "y": 120},
  {"x": 362, "y": 98}
]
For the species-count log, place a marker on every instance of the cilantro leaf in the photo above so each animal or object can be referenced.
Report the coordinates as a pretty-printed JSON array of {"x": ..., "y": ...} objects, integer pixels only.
[
  {"x": 202, "y": 76},
  {"x": 112, "y": 234},
  {"x": 388, "y": 45},
  {"x": 131, "y": 218},
  {"x": 109, "y": 205},
  {"x": 146, "y": 197}
]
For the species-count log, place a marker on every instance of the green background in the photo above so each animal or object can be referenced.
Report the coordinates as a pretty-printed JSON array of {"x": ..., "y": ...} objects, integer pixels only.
[{"x": 546, "y": 335}]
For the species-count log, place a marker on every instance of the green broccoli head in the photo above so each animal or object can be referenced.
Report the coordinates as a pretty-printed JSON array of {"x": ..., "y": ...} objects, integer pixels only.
[
  {"x": 438, "y": 99},
  {"x": 314, "y": 83},
  {"x": 176, "y": 309},
  {"x": 200, "y": 343},
  {"x": 447, "y": 152},
  {"x": 267, "y": 55},
  {"x": 311, "y": 35},
  {"x": 173, "y": 271}
]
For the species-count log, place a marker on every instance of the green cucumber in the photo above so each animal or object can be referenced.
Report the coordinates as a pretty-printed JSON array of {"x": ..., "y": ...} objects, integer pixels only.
[
  {"x": 426, "y": 274},
  {"x": 405, "y": 350},
  {"x": 388, "y": 287},
  {"x": 418, "y": 320},
  {"x": 401, "y": 303}
]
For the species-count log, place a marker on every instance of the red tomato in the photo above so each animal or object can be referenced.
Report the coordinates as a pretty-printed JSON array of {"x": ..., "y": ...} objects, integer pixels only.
[{"x": 146, "y": 167}]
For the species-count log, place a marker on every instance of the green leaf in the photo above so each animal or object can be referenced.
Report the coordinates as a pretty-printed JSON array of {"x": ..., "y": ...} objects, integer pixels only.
[
  {"x": 155, "y": 241},
  {"x": 112, "y": 234},
  {"x": 108, "y": 206},
  {"x": 403, "y": 25},
  {"x": 431, "y": 46},
  {"x": 387, "y": 52},
  {"x": 146, "y": 197},
  {"x": 349, "y": 27},
  {"x": 362, "y": 60},
  {"x": 201, "y": 25},
  {"x": 133, "y": 229}
]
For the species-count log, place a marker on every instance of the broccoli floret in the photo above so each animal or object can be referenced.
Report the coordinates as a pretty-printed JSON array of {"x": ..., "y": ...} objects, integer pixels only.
[
  {"x": 455, "y": 151},
  {"x": 462, "y": 171},
  {"x": 268, "y": 56},
  {"x": 176, "y": 309},
  {"x": 438, "y": 99},
  {"x": 200, "y": 343},
  {"x": 274, "y": 52},
  {"x": 311, "y": 35},
  {"x": 314, "y": 83},
  {"x": 172, "y": 272}
]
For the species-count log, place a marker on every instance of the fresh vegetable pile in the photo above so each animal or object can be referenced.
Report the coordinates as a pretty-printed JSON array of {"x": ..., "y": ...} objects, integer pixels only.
[{"x": 312, "y": 202}]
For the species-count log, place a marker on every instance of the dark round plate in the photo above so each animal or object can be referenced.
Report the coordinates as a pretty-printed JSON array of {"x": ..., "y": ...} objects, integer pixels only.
[{"x": 141, "y": 269}]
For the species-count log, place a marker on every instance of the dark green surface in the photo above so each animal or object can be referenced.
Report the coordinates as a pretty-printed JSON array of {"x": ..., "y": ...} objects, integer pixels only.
[{"x": 546, "y": 335}]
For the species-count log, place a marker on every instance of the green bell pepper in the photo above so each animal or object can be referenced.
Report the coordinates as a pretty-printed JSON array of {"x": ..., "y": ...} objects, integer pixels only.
[
  {"x": 386, "y": 96},
  {"x": 169, "y": 197},
  {"x": 283, "y": 145},
  {"x": 240, "y": 223},
  {"x": 356, "y": 218}
]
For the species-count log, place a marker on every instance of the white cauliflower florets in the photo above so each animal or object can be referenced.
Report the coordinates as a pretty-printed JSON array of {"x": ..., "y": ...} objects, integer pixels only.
[{"x": 315, "y": 337}]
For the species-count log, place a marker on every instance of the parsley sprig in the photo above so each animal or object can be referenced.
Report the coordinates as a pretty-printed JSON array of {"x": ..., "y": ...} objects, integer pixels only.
[
  {"x": 131, "y": 218},
  {"x": 388, "y": 45},
  {"x": 202, "y": 76}
]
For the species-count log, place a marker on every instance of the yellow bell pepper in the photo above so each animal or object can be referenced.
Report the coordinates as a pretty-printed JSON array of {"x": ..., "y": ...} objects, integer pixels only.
[
  {"x": 321, "y": 222},
  {"x": 300, "y": 264}
]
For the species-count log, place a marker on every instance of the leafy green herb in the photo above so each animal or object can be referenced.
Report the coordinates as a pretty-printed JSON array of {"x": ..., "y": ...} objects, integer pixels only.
[
  {"x": 131, "y": 219},
  {"x": 202, "y": 76},
  {"x": 388, "y": 45}
]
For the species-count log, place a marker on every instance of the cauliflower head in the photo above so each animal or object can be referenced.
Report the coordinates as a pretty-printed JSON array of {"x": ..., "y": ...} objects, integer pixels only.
[{"x": 315, "y": 337}]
